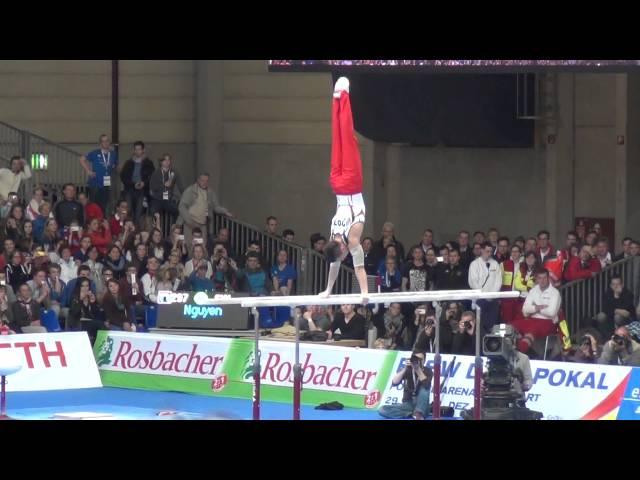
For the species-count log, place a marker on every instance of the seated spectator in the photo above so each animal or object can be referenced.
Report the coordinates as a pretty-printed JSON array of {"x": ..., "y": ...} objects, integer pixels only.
[
  {"x": 392, "y": 279},
  {"x": 33, "y": 207},
  {"x": 168, "y": 280},
  {"x": 348, "y": 325},
  {"x": 393, "y": 326},
  {"x": 99, "y": 234},
  {"x": 44, "y": 214},
  {"x": 101, "y": 288},
  {"x": 388, "y": 238},
  {"x": 253, "y": 279},
  {"x": 283, "y": 275},
  {"x": 464, "y": 336},
  {"x": 91, "y": 209},
  {"x": 218, "y": 252},
  {"x": 588, "y": 349},
  {"x": 96, "y": 266},
  {"x": 224, "y": 276},
  {"x": 40, "y": 290},
  {"x": 128, "y": 237},
  {"x": 139, "y": 259},
  {"x": 416, "y": 380},
  {"x": 82, "y": 272},
  {"x": 27, "y": 243},
  {"x": 288, "y": 235},
  {"x": 7, "y": 253},
  {"x": 83, "y": 307},
  {"x": 69, "y": 210},
  {"x": 6, "y": 311},
  {"x": 68, "y": 266},
  {"x": 416, "y": 276},
  {"x": 16, "y": 272},
  {"x": 174, "y": 262},
  {"x": 452, "y": 275},
  {"x": 26, "y": 312},
  {"x": 158, "y": 247},
  {"x": 540, "y": 312},
  {"x": 626, "y": 250},
  {"x": 116, "y": 308},
  {"x": 13, "y": 229},
  {"x": 199, "y": 281},
  {"x": 116, "y": 222},
  {"x": 56, "y": 287},
  {"x": 617, "y": 307},
  {"x": 223, "y": 238},
  {"x": 116, "y": 262},
  {"x": 583, "y": 266},
  {"x": 390, "y": 252},
  {"x": 51, "y": 237},
  {"x": 82, "y": 254},
  {"x": 602, "y": 253},
  {"x": 526, "y": 275},
  {"x": 621, "y": 349},
  {"x": 198, "y": 258},
  {"x": 150, "y": 280},
  {"x": 317, "y": 319},
  {"x": 177, "y": 243}
]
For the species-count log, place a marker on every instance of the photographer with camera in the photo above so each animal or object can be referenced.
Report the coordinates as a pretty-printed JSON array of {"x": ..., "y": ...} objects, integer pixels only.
[
  {"x": 621, "y": 350},
  {"x": 422, "y": 332},
  {"x": 464, "y": 338},
  {"x": 416, "y": 380},
  {"x": 588, "y": 350}
]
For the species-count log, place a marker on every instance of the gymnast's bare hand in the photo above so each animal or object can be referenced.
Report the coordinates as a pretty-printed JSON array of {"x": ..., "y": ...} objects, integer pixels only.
[
  {"x": 324, "y": 294},
  {"x": 365, "y": 298}
]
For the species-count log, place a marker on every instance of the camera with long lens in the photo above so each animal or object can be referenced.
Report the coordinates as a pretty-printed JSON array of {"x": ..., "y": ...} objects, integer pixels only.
[
  {"x": 467, "y": 324},
  {"x": 502, "y": 397},
  {"x": 619, "y": 340}
]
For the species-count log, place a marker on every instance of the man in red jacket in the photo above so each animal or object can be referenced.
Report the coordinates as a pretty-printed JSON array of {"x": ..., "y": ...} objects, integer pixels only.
[{"x": 583, "y": 266}]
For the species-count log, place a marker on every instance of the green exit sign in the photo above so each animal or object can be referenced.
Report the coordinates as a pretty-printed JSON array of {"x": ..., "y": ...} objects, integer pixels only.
[{"x": 39, "y": 161}]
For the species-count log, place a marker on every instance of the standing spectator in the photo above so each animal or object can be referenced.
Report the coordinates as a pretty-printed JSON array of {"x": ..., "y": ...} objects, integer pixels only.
[
  {"x": 10, "y": 178},
  {"x": 135, "y": 175},
  {"x": 392, "y": 279},
  {"x": 572, "y": 239},
  {"x": 100, "y": 165},
  {"x": 69, "y": 210},
  {"x": 626, "y": 250},
  {"x": 415, "y": 274},
  {"x": 492, "y": 238},
  {"x": 116, "y": 223},
  {"x": 150, "y": 280},
  {"x": 509, "y": 269},
  {"x": 318, "y": 243},
  {"x": 91, "y": 209},
  {"x": 198, "y": 202},
  {"x": 617, "y": 307},
  {"x": 33, "y": 207},
  {"x": 591, "y": 238},
  {"x": 348, "y": 324},
  {"x": 283, "y": 275},
  {"x": 271, "y": 226},
  {"x": 544, "y": 247},
  {"x": 540, "y": 311},
  {"x": 26, "y": 312},
  {"x": 583, "y": 266},
  {"x": 531, "y": 245},
  {"x": 485, "y": 275},
  {"x": 478, "y": 237},
  {"x": 288, "y": 235},
  {"x": 602, "y": 253},
  {"x": 502, "y": 252},
  {"x": 116, "y": 308},
  {"x": 452, "y": 276},
  {"x": 165, "y": 182},
  {"x": 465, "y": 249},
  {"x": 253, "y": 279},
  {"x": 388, "y": 238},
  {"x": 427, "y": 242}
]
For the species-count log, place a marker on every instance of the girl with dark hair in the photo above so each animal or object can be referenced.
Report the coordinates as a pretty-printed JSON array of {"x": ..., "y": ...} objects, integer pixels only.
[
  {"x": 116, "y": 262},
  {"x": 116, "y": 308},
  {"x": 83, "y": 307},
  {"x": 157, "y": 246},
  {"x": 526, "y": 275},
  {"x": 27, "y": 242}
]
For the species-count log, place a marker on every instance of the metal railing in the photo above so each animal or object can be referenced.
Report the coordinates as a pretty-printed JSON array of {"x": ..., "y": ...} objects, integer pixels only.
[
  {"x": 582, "y": 299},
  {"x": 311, "y": 266}
]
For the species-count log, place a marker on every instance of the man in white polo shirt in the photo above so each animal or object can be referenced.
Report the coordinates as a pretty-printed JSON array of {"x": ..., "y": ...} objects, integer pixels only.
[{"x": 485, "y": 275}]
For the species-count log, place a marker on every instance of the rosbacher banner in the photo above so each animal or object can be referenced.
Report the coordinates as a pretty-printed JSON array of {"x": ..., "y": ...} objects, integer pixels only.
[
  {"x": 358, "y": 378},
  {"x": 224, "y": 367}
]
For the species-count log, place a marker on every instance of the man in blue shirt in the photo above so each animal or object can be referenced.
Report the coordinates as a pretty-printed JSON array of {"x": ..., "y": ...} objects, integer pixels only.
[{"x": 99, "y": 165}]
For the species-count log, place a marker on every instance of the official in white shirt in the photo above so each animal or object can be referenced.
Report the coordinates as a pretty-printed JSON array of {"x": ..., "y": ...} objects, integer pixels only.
[
  {"x": 485, "y": 275},
  {"x": 540, "y": 312}
]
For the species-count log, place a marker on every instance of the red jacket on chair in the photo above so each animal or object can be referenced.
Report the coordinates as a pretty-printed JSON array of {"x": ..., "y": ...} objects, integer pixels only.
[{"x": 576, "y": 271}]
